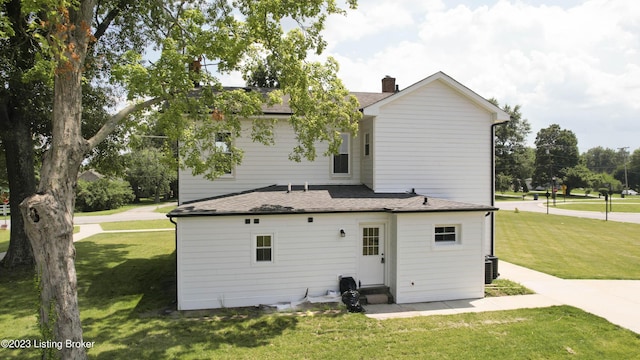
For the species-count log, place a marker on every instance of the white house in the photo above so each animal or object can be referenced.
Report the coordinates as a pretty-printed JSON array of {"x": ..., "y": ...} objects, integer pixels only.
[{"x": 408, "y": 204}]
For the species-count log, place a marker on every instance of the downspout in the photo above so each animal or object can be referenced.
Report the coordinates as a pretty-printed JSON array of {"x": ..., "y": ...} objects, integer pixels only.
[{"x": 176, "y": 256}]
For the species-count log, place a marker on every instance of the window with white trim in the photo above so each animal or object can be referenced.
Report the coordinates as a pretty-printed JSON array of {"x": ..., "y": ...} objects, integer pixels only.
[
  {"x": 367, "y": 144},
  {"x": 446, "y": 234},
  {"x": 263, "y": 250},
  {"x": 223, "y": 143},
  {"x": 340, "y": 163}
]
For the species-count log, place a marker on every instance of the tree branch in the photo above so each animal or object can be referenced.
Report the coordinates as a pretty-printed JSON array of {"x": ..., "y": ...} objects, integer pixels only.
[
  {"x": 111, "y": 15},
  {"x": 111, "y": 124}
]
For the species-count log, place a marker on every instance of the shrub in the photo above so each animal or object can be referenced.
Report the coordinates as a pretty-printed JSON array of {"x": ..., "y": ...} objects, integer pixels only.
[{"x": 102, "y": 194}]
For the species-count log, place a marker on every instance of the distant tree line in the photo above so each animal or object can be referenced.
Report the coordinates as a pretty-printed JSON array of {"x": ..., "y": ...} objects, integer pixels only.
[{"x": 555, "y": 161}]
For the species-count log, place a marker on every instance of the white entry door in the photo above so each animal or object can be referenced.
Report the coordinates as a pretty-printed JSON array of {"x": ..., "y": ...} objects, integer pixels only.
[{"x": 371, "y": 263}]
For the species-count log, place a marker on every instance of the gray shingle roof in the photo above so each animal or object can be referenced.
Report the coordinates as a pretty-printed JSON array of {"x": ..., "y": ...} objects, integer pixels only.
[
  {"x": 364, "y": 98},
  {"x": 319, "y": 199}
]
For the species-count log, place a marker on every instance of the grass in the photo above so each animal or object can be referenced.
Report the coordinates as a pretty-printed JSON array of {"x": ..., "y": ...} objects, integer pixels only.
[
  {"x": 5, "y": 235},
  {"x": 143, "y": 202},
  {"x": 4, "y": 240},
  {"x": 165, "y": 209},
  {"x": 125, "y": 282},
  {"x": 137, "y": 225},
  {"x": 569, "y": 247},
  {"x": 504, "y": 287},
  {"x": 517, "y": 196},
  {"x": 110, "y": 211},
  {"x": 618, "y": 206}
]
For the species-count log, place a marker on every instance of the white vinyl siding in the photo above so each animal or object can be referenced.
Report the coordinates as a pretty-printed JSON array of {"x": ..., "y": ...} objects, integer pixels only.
[
  {"x": 270, "y": 165},
  {"x": 425, "y": 272},
  {"x": 366, "y": 162},
  {"x": 216, "y": 266},
  {"x": 436, "y": 141}
]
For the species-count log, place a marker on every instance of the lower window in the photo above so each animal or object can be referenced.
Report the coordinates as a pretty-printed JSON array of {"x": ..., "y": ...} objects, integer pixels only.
[
  {"x": 264, "y": 248},
  {"x": 446, "y": 234}
]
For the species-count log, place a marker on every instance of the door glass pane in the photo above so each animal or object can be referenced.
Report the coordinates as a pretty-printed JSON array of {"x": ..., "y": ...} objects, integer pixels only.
[{"x": 370, "y": 241}]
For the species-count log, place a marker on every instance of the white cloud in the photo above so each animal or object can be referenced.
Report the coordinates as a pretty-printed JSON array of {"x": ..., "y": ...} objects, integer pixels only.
[
  {"x": 373, "y": 17},
  {"x": 558, "y": 63}
]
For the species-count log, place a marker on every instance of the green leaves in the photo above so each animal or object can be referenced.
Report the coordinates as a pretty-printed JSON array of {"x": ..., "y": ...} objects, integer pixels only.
[
  {"x": 556, "y": 151},
  {"x": 192, "y": 43},
  {"x": 253, "y": 33}
]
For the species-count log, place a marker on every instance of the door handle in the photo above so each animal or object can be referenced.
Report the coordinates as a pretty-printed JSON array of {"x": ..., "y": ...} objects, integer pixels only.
[{"x": 382, "y": 259}]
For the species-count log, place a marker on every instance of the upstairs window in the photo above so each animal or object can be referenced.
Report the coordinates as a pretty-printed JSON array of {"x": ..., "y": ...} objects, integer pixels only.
[
  {"x": 223, "y": 144},
  {"x": 367, "y": 145},
  {"x": 341, "y": 160}
]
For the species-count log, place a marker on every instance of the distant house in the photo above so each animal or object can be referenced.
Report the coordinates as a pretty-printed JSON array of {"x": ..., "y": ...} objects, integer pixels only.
[
  {"x": 90, "y": 176},
  {"x": 406, "y": 204}
]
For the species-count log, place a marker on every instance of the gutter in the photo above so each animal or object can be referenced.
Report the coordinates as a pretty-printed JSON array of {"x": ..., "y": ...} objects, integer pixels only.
[{"x": 330, "y": 211}]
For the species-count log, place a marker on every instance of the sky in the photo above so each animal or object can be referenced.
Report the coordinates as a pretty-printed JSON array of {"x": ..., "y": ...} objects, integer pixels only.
[
  {"x": 572, "y": 63},
  {"x": 569, "y": 62}
]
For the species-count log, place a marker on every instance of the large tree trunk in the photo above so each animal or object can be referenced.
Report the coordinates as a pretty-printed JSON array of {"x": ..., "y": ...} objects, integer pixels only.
[
  {"x": 16, "y": 110},
  {"x": 18, "y": 145},
  {"x": 48, "y": 214},
  {"x": 50, "y": 228},
  {"x": 48, "y": 217}
]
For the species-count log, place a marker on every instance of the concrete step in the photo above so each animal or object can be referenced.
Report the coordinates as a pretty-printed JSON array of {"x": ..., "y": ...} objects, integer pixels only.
[
  {"x": 373, "y": 290},
  {"x": 371, "y": 299},
  {"x": 375, "y": 295}
]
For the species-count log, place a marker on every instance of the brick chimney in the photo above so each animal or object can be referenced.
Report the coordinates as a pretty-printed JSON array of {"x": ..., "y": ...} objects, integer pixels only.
[{"x": 389, "y": 84}]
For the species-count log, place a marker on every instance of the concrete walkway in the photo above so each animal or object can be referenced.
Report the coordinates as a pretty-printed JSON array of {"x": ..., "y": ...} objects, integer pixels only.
[
  {"x": 540, "y": 207},
  {"x": 452, "y": 307},
  {"x": 139, "y": 213},
  {"x": 618, "y": 301}
]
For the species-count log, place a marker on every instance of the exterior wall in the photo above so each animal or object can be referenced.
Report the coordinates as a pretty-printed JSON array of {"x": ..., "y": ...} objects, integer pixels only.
[
  {"x": 270, "y": 165},
  {"x": 436, "y": 141},
  {"x": 366, "y": 162},
  {"x": 216, "y": 267},
  {"x": 392, "y": 252},
  {"x": 427, "y": 271}
]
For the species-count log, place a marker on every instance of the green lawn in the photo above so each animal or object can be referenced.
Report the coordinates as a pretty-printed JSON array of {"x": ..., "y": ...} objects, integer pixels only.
[
  {"x": 517, "y": 196},
  {"x": 569, "y": 247},
  {"x": 138, "y": 225},
  {"x": 165, "y": 209},
  {"x": 121, "y": 209},
  {"x": 5, "y": 235},
  {"x": 619, "y": 205},
  {"x": 127, "y": 280},
  {"x": 504, "y": 287},
  {"x": 4, "y": 240}
]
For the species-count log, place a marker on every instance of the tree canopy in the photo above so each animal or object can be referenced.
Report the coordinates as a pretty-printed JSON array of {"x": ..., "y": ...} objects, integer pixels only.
[
  {"x": 599, "y": 159},
  {"x": 95, "y": 43},
  {"x": 556, "y": 153},
  {"x": 514, "y": 163},
  {"x": 150, "y": 172}
]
